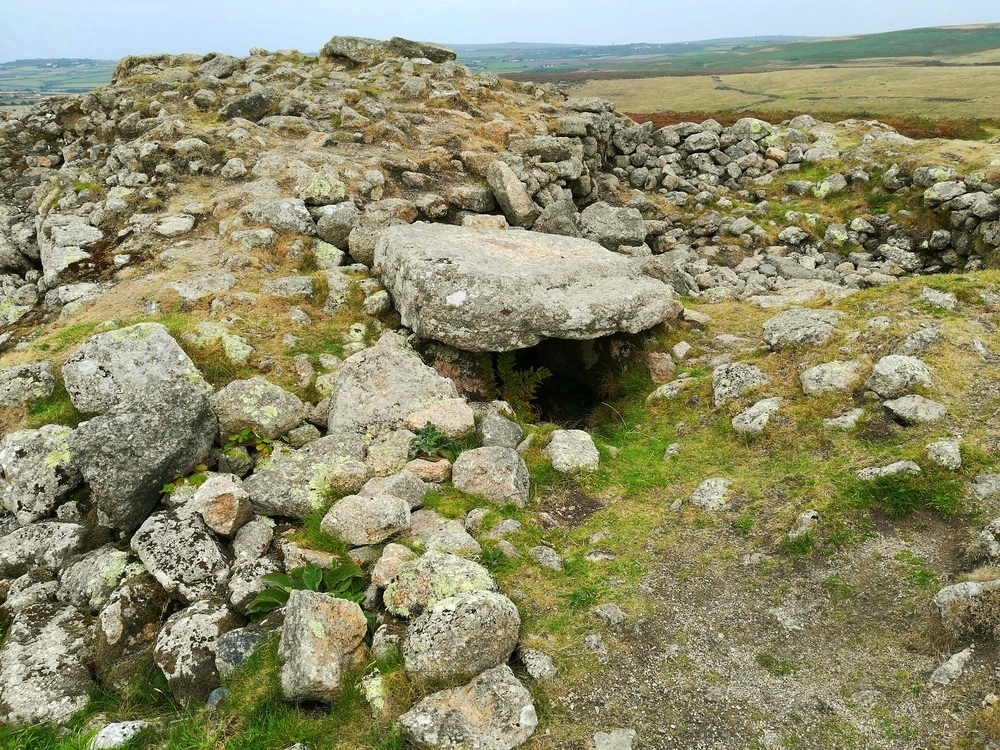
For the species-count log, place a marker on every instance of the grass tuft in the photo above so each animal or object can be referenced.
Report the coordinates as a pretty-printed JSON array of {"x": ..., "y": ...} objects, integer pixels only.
[{"x": 933, "y": 489}]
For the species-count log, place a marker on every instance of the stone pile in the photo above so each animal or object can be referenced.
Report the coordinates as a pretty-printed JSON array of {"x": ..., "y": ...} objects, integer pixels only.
[
  {"x": 376, "y": 137},
  {"x": 150, "y": 566}
]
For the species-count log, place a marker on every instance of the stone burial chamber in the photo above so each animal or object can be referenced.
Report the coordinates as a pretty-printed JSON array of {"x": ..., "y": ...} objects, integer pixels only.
[{"x": 563, "y": 303}]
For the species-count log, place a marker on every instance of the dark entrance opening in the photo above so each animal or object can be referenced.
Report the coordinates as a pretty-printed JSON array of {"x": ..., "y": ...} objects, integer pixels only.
[{"x": 580, "y": 373}]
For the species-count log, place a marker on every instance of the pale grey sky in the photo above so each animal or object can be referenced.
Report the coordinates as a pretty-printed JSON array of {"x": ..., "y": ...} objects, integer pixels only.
[{"x": 114, "y": 28}]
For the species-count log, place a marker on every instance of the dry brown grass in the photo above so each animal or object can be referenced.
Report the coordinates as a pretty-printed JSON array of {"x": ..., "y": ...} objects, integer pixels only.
[{"x": 889, "y": 91}]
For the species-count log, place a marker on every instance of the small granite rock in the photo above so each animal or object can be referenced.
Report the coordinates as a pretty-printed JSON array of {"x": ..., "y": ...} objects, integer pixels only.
[
  {"x": 573, "y": 450},
  {"x": 496, "y": 473},
  {"x": 915, "y": 409},
  {"x": 712, "y": 494}
]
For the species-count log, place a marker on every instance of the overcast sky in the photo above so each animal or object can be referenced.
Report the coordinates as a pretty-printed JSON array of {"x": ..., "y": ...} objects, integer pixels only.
[{"x": 113, "y": 28}]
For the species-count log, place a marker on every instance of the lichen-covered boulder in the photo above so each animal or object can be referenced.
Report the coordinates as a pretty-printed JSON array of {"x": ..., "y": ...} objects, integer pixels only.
[
  {"x": 36, "y": 472},
  {"x": 25, "y": 383},
  {"x": 432, "y": 532},
  {"x": 712, "y": 494},
  {"x": 283, "y": 215},
  {"x": 43, "y": 665},
  {"x": 493, "y": 712},
  {"x": 461, "y": 636},
  {"x": 612, "y": 227},
  {"x": 829, "y": 377},
  {"x": 178, "y": 549},
  {"x": 321, "y": 637},
  {"x": 63, "y": 241},
  {"x": 969, "y": 607},
  {"x": 402, "y": 484},
  {"x": 732, "y": 380},
  {"x": 752, "y": 421},
  {"x": 573, "y": 450},
  {"x": 259, "y": 405},
  {"x": 494, "y": 429},
  {"x": 431, "y": 578},
  {"x": 47, "y": 544},
  {"x": 359, "y": 520},
  {"x": 895, "y": 374},
  {"x": 126, "y": 364},
  {"x": 509, "y": 290},
  {"x": 185, "y": 649},
  {"x": 390, "y": 564},
  {"x": 130, "y": 452},
  {"x": 365, "y": 51},
  {"x": 511, "y": 195},
  {"x": 915, "y": 409},
  {"x": 126, "y": 629},
  {"x": 800, "y": 327},
  {"x": 88, "y": 581},
  {"x": 376, "y": 389},
  {"x": 297, "y": 483}
]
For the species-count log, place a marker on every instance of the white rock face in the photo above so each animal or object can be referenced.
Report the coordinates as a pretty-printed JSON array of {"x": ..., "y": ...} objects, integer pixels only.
[
  {"x": 916, "y": 409},
  {"x": 172, "y": 226},
  {"x": 487, "y": 290},
  {"x": 573, "y": 450},
  {"x": 63, "y": 242},
  {"x": 616, "y": 739},
  {"x": 968, "y": 607},
  {"x": 712, "y": 494},
  {"x": 891, "y": 470},
  {"x": 360, "y": 520},
  {"x": 952, "y": 669},
  {"x": 116, "y": 735},
  {"x": 403, "y": 485},
  {"x": 454, "y": 417},
  {"x": 285, "y": 215},
  {"x": 846, "y": 421},
  {"x": 755, "y": 419},
  {"x": 800, "y": 327},
  {"x": 895, "y": 374}
]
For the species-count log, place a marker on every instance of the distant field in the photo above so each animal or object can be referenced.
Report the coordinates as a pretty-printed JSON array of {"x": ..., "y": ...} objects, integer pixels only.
[
  {"x": 966, "y": 45},
  {"x": 957, "y": 92},
  {"x": 26, "y": 81}
]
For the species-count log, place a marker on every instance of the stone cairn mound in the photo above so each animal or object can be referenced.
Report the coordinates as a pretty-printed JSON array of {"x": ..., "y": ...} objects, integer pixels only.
[{"x": 387, "y": 158}]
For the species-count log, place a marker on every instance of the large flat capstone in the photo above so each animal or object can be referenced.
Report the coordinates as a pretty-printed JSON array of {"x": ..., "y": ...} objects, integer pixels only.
[{"x": 491, "y": 290}]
